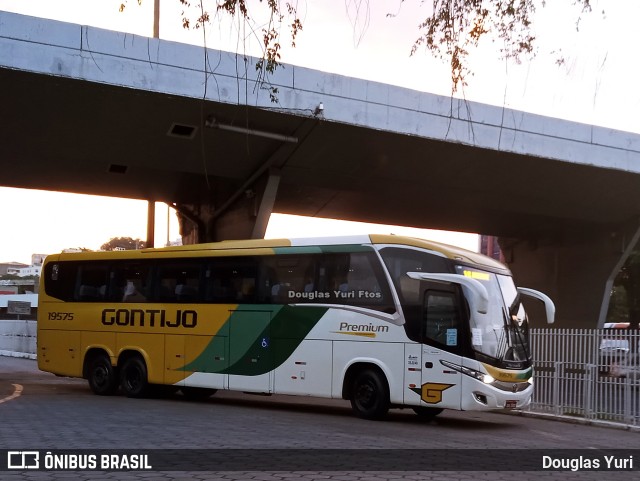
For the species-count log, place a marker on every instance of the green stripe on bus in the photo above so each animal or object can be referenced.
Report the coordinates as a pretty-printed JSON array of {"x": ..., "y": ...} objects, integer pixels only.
[
  {"x": 297, "y": 250},
  {"x": 343, "y": 248},
  {"x": 329, "y": 249},
  {"x": 260, "y": 339}
]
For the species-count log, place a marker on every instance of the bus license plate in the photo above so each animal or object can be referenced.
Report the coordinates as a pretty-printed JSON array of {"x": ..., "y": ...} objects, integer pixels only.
[{"x": 511, "y": 404}]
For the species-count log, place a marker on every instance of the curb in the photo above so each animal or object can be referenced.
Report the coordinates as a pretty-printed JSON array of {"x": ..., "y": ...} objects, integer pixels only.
[
  {"x": 22, "y": 355},
  {"x": 575, "y": 420}
]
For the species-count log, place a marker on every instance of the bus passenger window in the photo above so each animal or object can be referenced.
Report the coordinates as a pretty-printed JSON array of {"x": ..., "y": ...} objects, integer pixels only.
[
  {"x": 91, "y": 284},
  {"x": 290, "y": 278},
  {"x": 356, "y": 279},
  {"x": 132, "y": 292},
  {"x": 179, "y": 282},
  {"x": 129, "y": 283},
  {"x": 232, "y": 280},
  {"x": 399, "y": 261}
]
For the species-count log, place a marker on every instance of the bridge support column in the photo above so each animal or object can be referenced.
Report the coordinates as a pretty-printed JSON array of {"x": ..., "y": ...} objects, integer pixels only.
[
  {"x": 576, "y": 269},
  {"x": 243, "y": 215},
  {"x": 151, "y": 223}
]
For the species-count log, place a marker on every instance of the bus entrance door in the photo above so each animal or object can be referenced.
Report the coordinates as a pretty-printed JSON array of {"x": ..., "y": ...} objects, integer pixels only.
[
  {"x": 441, "y": 337},
  {"x": 250, "y": 352},
  {"x": 441, "y": 385}
]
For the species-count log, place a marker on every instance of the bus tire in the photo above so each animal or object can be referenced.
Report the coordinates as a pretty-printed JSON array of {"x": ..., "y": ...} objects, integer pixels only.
[
  {"x": 102, "y": 377},
  {"x": 197, "y": 393},
  {"x": 133, "y": 378},
  {"x": 427, "y": 413},
  {"x": 370, "y": 395}
]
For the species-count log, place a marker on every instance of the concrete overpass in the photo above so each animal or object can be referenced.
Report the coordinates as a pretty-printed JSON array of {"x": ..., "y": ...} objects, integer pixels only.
[{"x": 92, "y": 111}]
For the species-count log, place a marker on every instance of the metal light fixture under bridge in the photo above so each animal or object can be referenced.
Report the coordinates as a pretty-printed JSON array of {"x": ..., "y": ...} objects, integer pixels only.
[{"x": 212, "y": 123}]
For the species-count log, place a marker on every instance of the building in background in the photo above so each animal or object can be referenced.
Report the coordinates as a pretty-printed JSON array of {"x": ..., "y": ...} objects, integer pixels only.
[
  {"x": 489, "y": 247},
  {"x": 11, "y": 268},
  {"x": 22, "y": 270},
  {"x": 33, "y": 271},
  {"x": 9, "y": 285},
  {"x": 37, "y": 259}
]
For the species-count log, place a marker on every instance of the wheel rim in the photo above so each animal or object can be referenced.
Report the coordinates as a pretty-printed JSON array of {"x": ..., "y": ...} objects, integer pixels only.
[
  {"x": 133, "y": 378},
  {"x": 366, "y": 394},
  {"x": 101, "y": 376}
]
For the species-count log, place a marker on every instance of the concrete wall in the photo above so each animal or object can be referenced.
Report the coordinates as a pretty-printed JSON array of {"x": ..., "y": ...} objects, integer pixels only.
[{"x": 18, "y": 338}]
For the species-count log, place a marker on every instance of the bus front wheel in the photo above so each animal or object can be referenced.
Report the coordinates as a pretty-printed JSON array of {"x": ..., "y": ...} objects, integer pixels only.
[
  {"x": 133, "y": 377},
  {"x": 102, "y": 376},
  {"x": 370, "y": 395}
]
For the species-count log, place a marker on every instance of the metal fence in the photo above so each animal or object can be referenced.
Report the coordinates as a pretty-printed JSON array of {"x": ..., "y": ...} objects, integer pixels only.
[{"x": 588, "y": 373}]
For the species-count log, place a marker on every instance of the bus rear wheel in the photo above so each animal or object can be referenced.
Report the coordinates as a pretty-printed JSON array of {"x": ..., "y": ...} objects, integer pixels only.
[
  {"x": 370, "y": 395},
  {"x": 102, "y": 376},
  {"x": 133, "y": 378}
]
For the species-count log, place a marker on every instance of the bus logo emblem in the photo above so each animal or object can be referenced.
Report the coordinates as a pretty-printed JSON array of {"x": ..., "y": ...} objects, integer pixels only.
[
  {"x": 431, "y": 392},
  {"x": 23, "y": 459}
]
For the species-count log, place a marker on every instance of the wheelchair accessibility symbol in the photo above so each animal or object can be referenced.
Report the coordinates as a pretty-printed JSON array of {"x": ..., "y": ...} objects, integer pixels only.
[{"x": 265, "y": 342}]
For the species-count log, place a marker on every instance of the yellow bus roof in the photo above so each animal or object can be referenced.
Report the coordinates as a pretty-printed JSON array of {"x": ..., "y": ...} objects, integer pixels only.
[
  {"x": 266, "y": 246},
  {"x": 452, "y": 252}
]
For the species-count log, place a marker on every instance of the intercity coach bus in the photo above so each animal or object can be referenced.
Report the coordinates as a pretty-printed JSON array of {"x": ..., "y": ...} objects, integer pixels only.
[{"x": 381, "y": 320}]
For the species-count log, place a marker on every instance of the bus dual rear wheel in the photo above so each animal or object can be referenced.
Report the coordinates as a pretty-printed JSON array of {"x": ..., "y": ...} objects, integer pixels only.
[
  {"x": 133, "y": 378},
  {"x": 102, "y": 376}
]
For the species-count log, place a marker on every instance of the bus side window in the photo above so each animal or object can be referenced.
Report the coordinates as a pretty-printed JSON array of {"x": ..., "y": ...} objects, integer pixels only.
[
  {"x": 290, "y": 278},
  {"x": 337, "y": 273},
  {"x": 399, "y": 261},
  {"x": 357, "y": 279},
  {"x": 178, "y": 282},
  {"x": 60, "y": 280},
  {"x": 91, "y": 283},
  {"x": 232, "y": 280},
  {"x": 129, "y": 282},
  {"x": 441, "y": 317}
]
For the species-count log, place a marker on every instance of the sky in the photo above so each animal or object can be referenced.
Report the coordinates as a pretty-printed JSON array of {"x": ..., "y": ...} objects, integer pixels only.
[{"x": 595, "y": 84}]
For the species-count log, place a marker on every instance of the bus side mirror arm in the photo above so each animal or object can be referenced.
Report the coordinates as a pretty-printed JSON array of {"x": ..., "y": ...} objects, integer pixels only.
[
  {"x": 474, "y": 291},
  {"x": 549, "y": 306}
]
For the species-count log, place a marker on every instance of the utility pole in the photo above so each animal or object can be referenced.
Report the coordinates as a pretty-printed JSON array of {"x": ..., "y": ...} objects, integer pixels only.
[
  {"x": 168, "y": 221},
  {"x": 156, "y": 18}
]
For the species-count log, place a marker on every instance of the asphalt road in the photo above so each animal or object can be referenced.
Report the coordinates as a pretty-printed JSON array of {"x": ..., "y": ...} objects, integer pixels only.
[{"x": 283, "y": 438}]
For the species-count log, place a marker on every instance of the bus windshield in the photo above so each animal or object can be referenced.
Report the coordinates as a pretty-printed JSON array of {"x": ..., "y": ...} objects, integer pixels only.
[{"x": 502, "y": 333}]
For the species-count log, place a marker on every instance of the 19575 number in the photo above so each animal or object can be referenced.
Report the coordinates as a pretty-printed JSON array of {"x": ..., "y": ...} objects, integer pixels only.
[{"x": 61, "y": 316}]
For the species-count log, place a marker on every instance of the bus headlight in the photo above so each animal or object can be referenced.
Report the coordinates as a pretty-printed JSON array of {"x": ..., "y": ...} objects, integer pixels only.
[
  {"x": 487, "y": 378},
  {"x": 480, "y": 376}
]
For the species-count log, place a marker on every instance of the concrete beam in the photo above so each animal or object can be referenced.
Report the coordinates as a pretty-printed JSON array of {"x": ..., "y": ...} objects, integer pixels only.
[
  {"x": 244, "y": 214},
  {"x": 266, "y": 205},
  {"x": 60, "y": 49}
]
